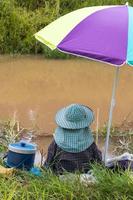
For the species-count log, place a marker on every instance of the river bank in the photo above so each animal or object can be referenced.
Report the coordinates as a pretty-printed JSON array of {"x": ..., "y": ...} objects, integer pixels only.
[{"x": 108, "y": 185}]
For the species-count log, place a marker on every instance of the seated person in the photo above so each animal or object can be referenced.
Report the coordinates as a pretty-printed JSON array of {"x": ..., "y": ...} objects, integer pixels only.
[{"x": 73, "y": 147}]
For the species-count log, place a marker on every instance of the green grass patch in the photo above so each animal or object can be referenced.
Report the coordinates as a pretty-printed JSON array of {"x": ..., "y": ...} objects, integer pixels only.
[{"x": 109, "y": 186}]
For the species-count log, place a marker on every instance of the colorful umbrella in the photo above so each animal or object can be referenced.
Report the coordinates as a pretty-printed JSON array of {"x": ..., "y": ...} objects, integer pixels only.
[{"x": 102, "y": 33}]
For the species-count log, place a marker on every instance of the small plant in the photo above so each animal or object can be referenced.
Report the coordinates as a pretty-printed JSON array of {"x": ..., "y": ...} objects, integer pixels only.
[
  {"x": 103, "y": 130},
  {"x": 2, "y": 148},
  {"x": 125, "y": 128},
  {"x": 124, "y": 145},
  {"x": 9, "y": 132}
]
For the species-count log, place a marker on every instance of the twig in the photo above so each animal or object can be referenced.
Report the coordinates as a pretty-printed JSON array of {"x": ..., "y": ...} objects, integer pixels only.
[
  {"x": 97, "y": 125},
  {"x": 125, "y": 119}
]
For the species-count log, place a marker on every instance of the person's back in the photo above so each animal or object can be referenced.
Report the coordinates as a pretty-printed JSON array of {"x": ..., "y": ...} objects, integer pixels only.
[{"x": 73, "y": 148}]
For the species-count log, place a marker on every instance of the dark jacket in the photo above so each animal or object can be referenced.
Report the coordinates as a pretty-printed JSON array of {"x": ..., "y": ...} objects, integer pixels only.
[{"x": 58, "y": 160}]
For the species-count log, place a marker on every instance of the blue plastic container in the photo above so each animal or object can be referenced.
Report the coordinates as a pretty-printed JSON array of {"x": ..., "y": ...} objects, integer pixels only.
[{"x": 21, "y": 155}]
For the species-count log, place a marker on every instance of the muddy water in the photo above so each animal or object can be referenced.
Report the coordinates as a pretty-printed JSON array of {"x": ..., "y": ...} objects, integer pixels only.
[{"x": 31, "y": 84}]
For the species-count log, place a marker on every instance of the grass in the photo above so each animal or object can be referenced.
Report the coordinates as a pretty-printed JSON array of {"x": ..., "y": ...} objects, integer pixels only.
[
  {"x": 26, "y": 186},
  {"x": 123, "y": 129},
  {"x": 121, "y": 136},
  {"x": 109, "y": 186}
]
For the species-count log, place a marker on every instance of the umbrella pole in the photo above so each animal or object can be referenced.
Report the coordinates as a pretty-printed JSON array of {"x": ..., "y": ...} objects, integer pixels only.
[{"x": 112, "y": 105}]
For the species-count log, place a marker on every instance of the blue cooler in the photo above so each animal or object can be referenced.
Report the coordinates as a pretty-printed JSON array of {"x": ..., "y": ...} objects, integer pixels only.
[{"x": 21, "y": 155}]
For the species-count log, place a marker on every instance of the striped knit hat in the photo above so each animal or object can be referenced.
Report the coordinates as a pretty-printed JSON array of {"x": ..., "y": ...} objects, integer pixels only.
[{"x": 74, "y": 116}]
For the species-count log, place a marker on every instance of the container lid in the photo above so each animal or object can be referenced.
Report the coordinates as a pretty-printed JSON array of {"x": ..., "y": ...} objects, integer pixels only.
[{"x": 23, "y": 147}]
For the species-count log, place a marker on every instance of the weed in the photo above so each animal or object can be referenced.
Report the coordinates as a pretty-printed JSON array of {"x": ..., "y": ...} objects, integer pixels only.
[{"x": 109, "y": 186}]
